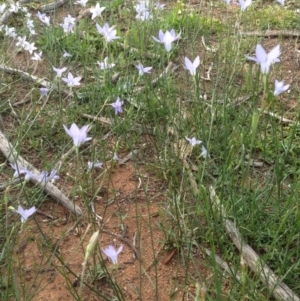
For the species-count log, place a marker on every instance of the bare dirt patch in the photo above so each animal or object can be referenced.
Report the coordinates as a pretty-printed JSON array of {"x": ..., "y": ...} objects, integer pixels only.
[{"x": 158, "y": 272}]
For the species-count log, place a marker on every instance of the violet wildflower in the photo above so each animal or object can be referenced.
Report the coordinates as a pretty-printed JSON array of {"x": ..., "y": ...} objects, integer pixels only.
[
  {"x": 167, "y": 38},
  {"x": 109, "y": 33},
  {"x": 72, "y": 81},
  {"x": 96, "y": 11},
  {"x": 81, "y": 2},
  {"x": 29, "y": 47},
  {"x": 244, "y": 4},
  {"x": 191, "y": 66},
  {"x": 37, "y": 56},
  {"x": 142, "y": 70},
  {"x": 46, "y": 177},
  {"x": 43, "y": 18},
  {"x": 280, "y": 87},
  {"x": 159, "y": 6},
  {"x": 2, "y": 8},
  {"x": 117, "y": 105},
  {"x": 25, "y": 213},
  {"x": 95, "y": 164},
  {"x": 204, "y": 152},
  {"x": 193, "y": 141},
  {"x": 105, "y": 65},
  {"x": 59, "y": 71},
  {"x": 44, "y": 91},
  {"x": 265, "y": 59},
  {"x": 69, "y": 24},
  {"x": 19, "y": 170},
  {"x": 112, "y": 253},
  {"x": 78, "y": 135},
  {"x": 66, "y": 54}
]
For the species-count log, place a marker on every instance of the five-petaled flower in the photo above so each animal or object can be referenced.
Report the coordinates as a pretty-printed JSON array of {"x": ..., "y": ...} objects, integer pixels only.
[
  {"x": 46, "y": 177},
  {"x": 96, "y": 11},
  {"x": 193, "y": 141},
  {"x": 78, "y": 135},
  {"x": 112, "y": 253},
  {"x": 109, "y": 33},
  {"x": 280, "y": 87},
  {"x": 95, "y": 164},
  {"x": 105, "y": 65},
  {"x": 72, "y": 81},
  {"x": 167, "y": 38},
  {"x": 25, "y": 213},
  {"x": 81, "y": 2},
  {"x": 265, "y": 59},
  {"x": 244, "y": 4},
  {"x": 59, "y": 71},
  {"x": 191, "y": 66},
  {"x": 19, "y": 170},
  {"x": 143, "y": 69},
  {"x": 44, "y": 91},
  {"x": 117, "y": 105}
]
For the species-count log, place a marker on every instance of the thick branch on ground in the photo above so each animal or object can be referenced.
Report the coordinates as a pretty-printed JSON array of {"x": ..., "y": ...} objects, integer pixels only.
[
  {"x": 12, "y": 156},
  {"x": 273, "y": 283}
]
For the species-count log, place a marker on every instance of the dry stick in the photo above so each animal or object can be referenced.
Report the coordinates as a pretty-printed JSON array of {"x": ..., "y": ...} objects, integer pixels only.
[
  {"x": 224, "y": 265},
  {"x": 273, "y": 283},
  {"x": 279, "y": 289},
  {"x": 28, "y": 76},
  {"x": 271, "y": 33},
  {"x": 52, "y": 6},
  {"x": 276, "y": 116},
  {"x": 12, "y": 156}
]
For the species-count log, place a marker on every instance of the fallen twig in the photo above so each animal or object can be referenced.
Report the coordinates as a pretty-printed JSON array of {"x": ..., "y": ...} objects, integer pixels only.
[
  {"x": 276, "y": 116},
  {"x": 52, "y": 6},
  {"x": 28, "y": 76},
  {"x": 273, "y": 283},
  {"x": 12, "y": 156},
  {"x": 271, "y": 33}
]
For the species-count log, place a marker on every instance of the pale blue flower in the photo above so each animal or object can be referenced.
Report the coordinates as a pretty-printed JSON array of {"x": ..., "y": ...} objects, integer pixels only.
[
  {"x": 46, "y": 177},
  {"x": 280, "y": 2},
  {"x": 72, "y": 81},
  {"x": 191, "y": 66},
  {"x": 109, "y": 33},
  {"x": 143, "y": 69},
  {"x": 117, "y": 105},
  {"x": 59, "y": 71},
  {"x": 193, "y": 141},
  {"x": 96, "y": 11},
  {"x": 78, "y": 135},
  {"x": 265, "y": 59},
  {"x": 244, "y": 4},
  {"x": 204, "y": 152},
  {"x": 81, "y": 2},
  {"x": 105, "y": 65},
  {"x": 112, "y": 253},
  {"x": 167, "y": 38},
  {"x": 280, "y": 87},
  {"x": 25, "y": 213},
  {"x": 44, "y": 91},
  {"x": 43, "y": 18},
  {"x": 95, "y": 164}
]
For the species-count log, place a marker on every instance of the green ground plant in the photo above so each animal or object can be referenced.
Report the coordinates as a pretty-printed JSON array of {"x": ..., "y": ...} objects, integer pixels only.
[{"x": 203, "y": 116}]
